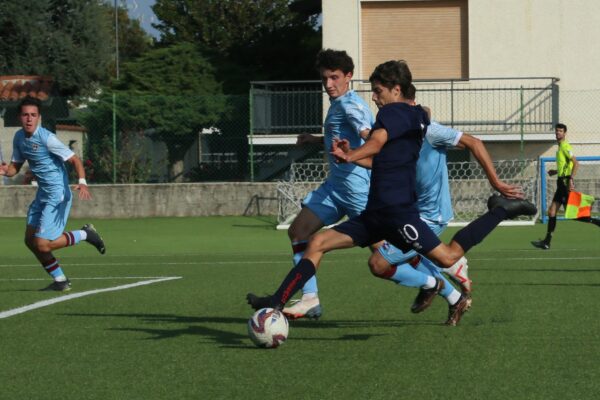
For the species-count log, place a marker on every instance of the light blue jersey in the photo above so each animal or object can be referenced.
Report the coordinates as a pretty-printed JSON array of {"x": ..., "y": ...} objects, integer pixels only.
[
  {"x": 348, "y": 115},
  {"x": 46, "y": 156},
  {"x": 433, "y": 189}
]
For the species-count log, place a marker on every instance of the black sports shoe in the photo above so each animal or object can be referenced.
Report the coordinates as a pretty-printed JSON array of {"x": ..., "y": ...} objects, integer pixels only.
[
  {"x": 541, "y": 244},
  {"x": 257, "y": 302},
  {"x": 94, "y": 238},
  {"x": 426, "y": 296},
  {"x": 456, "y": 311},
  {"x": 56, "y": 286},
  {"x": 513, "y": 207}
]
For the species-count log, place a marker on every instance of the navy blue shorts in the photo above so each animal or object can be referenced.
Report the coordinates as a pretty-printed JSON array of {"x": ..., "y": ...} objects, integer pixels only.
[{"x": 403, "y": 229}]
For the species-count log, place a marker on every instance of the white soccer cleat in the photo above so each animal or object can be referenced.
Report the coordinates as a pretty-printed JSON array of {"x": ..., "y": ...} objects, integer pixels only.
[
  {"x": 459, "y": 273},
  {"x": 304, "y": 308}
]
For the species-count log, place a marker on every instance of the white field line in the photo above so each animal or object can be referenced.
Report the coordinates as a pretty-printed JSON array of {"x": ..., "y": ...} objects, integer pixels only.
[
  {"x": 49, "y": 302},
  {"x": 144, "y": 264},
  {"x": 98, "y": 278}
]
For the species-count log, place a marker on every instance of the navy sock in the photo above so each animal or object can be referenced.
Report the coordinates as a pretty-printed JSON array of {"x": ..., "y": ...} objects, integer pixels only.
[
  {"x": 477, "y": 230},
  {"x": 551, "y": 224},
  {"x": 296, "y": 278}
]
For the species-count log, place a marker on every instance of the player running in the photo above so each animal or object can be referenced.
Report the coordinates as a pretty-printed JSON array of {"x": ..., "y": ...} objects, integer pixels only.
[
  {"x": 48, "y": 213},
  {"x": 345, "y": 191}
]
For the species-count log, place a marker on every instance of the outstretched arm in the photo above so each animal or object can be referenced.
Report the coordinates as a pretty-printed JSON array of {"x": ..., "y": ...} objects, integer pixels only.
[
  {"x": 84, "y": 193},
  {"x": 477, "y": 148},
  {"x": 344, "y": 146}
]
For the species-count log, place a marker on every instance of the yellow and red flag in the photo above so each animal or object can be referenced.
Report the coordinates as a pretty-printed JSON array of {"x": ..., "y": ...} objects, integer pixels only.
[{"x": 579, "y": 205}]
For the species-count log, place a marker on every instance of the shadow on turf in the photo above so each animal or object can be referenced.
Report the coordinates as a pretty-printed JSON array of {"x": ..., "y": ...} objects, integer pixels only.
[{"x": 237, "y": 340}]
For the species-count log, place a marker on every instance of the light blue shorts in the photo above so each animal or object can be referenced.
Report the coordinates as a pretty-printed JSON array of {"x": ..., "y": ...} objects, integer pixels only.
[
  {"x": 50, "y": 218},
  {"x": 395, "y": 256},
  {"x": 330, "y": 206}
]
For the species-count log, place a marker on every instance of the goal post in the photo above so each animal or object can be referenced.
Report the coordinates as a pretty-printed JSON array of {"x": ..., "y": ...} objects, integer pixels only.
[
  {"x": 469, "y": 188},
  {"x": 586, "y": 181}
]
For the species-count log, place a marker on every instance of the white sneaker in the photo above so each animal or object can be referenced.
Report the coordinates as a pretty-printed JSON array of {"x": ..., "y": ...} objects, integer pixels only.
[
  {"x": 304, "y": 308},
  {"x": 459, "y": 273}
]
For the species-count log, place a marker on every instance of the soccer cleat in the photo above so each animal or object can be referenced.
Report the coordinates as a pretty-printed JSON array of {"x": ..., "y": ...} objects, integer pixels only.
[
  {"x": 426, "y": 296},
  {"x": 541, "y": 244},
  {"x": 513, "y": 207},
  {"x": 94, "y": 238},
  {"x": 257, "y": 302},
  {"x": 304, "y": 308},
  {"x": 63, "y": 286},
  {"x": 456, "y": 311},
  {"x": 459, "y": 273}
]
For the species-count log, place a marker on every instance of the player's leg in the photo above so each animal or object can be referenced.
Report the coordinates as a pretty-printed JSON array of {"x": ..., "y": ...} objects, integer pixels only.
[
  {"x": 403, "y": 271},
  {"x": 345, "y": 235},
  {"x": 45, "y": 224},
  {"x": 39, "y": 247},
  {"x": 552, "y": 210},
  {"x": 318, "y": 209},
  {"x": 303, "y": 226},
  {"x": 500, "y": 208}
]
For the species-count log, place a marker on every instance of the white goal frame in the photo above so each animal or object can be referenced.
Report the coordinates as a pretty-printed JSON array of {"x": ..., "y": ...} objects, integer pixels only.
[{"x": 469, "y": 188}]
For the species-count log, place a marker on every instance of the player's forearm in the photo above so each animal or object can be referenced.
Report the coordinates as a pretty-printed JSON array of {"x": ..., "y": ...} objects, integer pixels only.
[
  {"x": 370, "y": 148},
  {"x": 365, "y": 162},
  {"x": 575, "y": 168},
  {"x": 78, "y": 165},
  {"x": 477, "y": 148}
]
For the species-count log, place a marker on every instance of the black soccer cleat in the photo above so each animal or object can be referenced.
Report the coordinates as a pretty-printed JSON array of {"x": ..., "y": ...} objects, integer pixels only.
[
  {"x": 426, "y": 296},
  {"x": 94, "y": 238},
  {"x": 513, "y": 207},
  {"x": 257, "y": 302},
  {"x": 456, "y": 311},
  {"x": 541, "y": 244},
  {"x": 56, "y": 286}
]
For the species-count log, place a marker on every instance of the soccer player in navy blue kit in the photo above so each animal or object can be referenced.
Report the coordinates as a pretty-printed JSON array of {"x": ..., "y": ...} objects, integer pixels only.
[
  {"x": 48, "y": 213},
  {"x": 391, "y": 213}
]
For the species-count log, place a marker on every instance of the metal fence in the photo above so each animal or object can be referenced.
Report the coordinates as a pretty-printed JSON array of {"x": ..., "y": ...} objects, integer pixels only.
[{"x": 198, "y": 139}]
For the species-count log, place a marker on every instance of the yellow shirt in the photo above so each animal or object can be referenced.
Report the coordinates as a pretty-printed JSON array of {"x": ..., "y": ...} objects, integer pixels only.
[{"x": 564, "y": 159}]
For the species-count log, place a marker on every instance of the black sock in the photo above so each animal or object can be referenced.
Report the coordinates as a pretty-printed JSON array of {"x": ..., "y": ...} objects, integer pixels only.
[
  {"x": 296, "y": 278},
  {"x": 551, "y": 224},
  {"x": 477, "y": 230}
]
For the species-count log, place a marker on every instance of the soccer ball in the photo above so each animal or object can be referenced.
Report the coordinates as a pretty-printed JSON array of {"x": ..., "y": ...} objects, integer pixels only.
[{"x": 268, "y": 328}]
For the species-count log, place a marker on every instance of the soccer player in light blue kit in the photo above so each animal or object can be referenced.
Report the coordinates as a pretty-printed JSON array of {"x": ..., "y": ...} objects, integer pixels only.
[
  {"x": 435, "y": 208},
  {"x": 345, "y": 191},
  {"x": 48, "y": 213}
]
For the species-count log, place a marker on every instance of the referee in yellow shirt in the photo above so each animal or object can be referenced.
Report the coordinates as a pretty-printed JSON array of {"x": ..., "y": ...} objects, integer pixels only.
[{"x": 566, "y": 165}]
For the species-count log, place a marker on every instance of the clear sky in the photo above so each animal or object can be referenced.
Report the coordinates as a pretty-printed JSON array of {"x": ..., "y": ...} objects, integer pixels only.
[{"x": 140, "y": 9}]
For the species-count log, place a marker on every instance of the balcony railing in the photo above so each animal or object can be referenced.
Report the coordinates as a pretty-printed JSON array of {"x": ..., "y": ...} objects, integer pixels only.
[{"x": 508, "y": 108}]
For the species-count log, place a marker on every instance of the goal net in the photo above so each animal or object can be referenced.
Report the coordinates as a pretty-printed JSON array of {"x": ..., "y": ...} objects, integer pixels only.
[
  {"x": 586, "y": 181},
  {"x": 469, "y": 188}
]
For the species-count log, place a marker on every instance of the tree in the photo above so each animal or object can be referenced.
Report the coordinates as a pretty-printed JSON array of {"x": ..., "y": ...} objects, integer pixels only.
[
  {"x": 67, "y": 39},
  {"x": 246, "y": 39},
  {"x": 71, "y": 40},
  {"x": 169, "y": 93}
]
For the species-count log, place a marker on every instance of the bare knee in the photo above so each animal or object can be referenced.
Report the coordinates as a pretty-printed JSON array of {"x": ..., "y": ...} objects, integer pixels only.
[
  {"x": 378, "y": 265},
  {"x": 40, "y": 245}
]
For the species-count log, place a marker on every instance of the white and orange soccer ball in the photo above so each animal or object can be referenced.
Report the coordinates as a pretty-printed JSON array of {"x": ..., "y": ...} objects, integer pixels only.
[{"x": 268, "y": 328}]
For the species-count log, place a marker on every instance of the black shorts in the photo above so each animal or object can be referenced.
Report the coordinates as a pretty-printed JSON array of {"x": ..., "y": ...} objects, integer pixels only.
[
  {"x": 561, "y": 196},
  {"x": 403, "y": 229}
]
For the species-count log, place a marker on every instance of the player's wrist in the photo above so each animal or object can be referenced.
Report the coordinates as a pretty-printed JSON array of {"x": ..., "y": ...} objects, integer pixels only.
[{"x": 82, "y": 181}]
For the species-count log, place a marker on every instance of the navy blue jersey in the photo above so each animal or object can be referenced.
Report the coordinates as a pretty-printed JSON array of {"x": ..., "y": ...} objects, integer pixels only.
[{"x": 394, "y": 170}]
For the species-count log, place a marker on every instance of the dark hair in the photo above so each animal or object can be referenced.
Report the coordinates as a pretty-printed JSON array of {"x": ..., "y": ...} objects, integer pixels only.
[
  {"x": 334, "y": 59},
  {"x": 29, "y": 101},
  {"x": 392, "y": 73},
  {"x": 411, "y": 93},
  {"x": 561, "y": 126}
]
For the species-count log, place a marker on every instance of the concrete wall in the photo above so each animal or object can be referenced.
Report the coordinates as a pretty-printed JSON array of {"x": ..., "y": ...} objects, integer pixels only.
[
  {"x": 160, "y": 200},
  {"x": 515, "y": 38}
]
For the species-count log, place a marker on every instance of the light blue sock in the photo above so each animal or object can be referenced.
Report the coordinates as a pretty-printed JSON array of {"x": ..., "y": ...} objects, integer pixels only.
[
  {"x": 74, "y": 237},
  {"x": 298, "y": 248},
  {"x": 430, "y": 268},
  {"x": 406, "y": 275}
]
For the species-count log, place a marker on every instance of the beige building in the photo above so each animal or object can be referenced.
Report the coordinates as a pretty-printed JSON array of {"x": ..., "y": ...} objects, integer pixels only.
[{"x": 467, "y": 40}]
